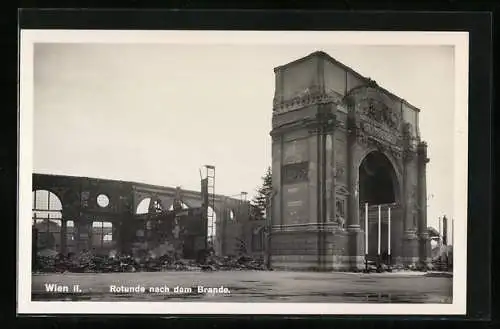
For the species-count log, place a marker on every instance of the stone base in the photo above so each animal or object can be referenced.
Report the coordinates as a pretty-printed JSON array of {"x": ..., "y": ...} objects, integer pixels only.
[
  {"x": 311, "y": 263},
  {"x": 411, "y": 249},
  {"x": 356, "y": 250},
  {"x": 342, "y": 251},
  {"x": 300, "y": 250}
]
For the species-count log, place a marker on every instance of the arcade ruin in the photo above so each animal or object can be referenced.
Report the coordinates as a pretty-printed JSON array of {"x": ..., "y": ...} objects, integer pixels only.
[{"x": 81, "y": 214}]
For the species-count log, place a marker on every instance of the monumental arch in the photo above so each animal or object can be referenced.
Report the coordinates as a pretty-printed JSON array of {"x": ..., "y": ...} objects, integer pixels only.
[{"x": 339, "y": 142}]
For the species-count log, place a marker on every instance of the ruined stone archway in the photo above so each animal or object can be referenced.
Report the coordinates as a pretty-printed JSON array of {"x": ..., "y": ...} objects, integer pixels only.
[
  {"x": 379, "y": 186},
  {"x": 377, "y": 180}
]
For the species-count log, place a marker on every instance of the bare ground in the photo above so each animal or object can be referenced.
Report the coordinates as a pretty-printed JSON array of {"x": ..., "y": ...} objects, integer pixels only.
[{"x": 252, "y": 286}]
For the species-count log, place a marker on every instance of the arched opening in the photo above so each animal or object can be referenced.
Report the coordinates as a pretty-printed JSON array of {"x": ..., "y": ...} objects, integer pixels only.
[
  {"x": 183, "y": 205},
  {"x": 47, "y": 220},
  {"x": 143, "y": 206},
  {"x": 378, "y": 187},
  {"x": 149, "y": 206},
  {"x": 231, "y": 215},
  {"x": 377, "y": 183}
]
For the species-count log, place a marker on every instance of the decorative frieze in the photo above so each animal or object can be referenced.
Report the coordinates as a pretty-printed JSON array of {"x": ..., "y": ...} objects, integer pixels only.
[
  {"x": 309, "y": 96},
  {"x": 378, "y": 111},
  {"x": 377, "y": 131}
]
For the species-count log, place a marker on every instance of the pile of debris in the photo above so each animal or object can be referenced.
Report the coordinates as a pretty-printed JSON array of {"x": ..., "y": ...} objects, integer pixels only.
[
  {"x": 234, "y": 263},
  {"x": 86, "y": 262}
]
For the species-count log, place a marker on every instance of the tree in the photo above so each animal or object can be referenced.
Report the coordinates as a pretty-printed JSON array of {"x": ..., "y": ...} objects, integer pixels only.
[{"x": 261, "y": 200}]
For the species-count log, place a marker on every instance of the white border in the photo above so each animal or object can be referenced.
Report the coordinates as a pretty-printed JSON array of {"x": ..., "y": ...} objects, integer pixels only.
[{"x": 457, "y": 39}]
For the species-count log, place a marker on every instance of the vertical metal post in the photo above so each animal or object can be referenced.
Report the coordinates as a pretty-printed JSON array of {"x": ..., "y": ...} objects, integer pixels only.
[
  {"x": 366, "y": 236},
  {"x": 389, "y": 233},
  {"x": 48, "y": 220},
  {"x": 379, "y": 228}
]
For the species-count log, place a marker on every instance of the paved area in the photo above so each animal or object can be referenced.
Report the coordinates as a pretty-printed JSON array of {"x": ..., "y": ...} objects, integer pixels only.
[{"x": 246, "y": 286}]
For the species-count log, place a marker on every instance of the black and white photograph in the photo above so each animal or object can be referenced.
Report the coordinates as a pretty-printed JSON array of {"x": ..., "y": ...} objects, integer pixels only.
[{"x": 258, "y": 172}]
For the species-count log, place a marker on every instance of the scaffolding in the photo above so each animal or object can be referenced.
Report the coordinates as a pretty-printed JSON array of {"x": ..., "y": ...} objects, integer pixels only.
[{"x": 211, "y": 219}]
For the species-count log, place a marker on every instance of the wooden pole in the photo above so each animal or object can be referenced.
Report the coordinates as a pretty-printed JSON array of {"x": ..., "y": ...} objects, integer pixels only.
[{"x": 379, "y": 228}]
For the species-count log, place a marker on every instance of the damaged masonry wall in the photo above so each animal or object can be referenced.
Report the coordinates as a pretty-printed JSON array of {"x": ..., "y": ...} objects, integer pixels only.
[{"x": 79, "y": 214}]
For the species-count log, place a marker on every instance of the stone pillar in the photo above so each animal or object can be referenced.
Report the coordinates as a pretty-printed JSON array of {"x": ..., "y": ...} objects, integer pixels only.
[
  {"x": 223, "y": 224},
  {"x": 326, "y": 121},
  {"x": 410, "y": 201},
  {"x": 83, "y": 236},
  {"x": 330, "y": 177},
  {"x": 352, "y": 185},
  {"x": 356, "y": 247},
  {"x": 314, "y": 202},
  {"x": 64, "y": 236},
  {"x": 277, "y": 147},
  {"x": 424, "y": 244}
]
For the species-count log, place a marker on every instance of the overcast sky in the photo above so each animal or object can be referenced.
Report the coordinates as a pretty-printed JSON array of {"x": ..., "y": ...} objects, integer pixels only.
[{"x": 157, "y": 113}]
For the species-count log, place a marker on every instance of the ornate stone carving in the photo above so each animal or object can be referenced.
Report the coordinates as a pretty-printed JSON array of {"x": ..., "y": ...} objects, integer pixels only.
[
  {"x": 340, "y": 213},
  {"x": 307, "y": 97},
  {"x": 409, "y": 153},
  {"x": 341, "y": 190},
  {"x": 295, "y": 173},
  {"x": 380, "y": 134},
  {"x": 340, "y": 220},
  {"x": 338, "y": 170},
  {"x": 339, "y": 207},
  {"x": 378, "y": 111},
  {"x": 422, "y": 152},
  {"x": 340, "y": 124},
  {"x": 371, "y": 83}
]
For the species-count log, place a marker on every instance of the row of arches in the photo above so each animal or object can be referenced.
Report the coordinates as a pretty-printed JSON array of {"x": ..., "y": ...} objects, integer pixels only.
[{"x": 48, "y": 220}]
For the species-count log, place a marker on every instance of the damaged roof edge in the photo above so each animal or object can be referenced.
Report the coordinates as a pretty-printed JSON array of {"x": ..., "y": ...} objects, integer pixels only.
[
  {"x": 133, "y": 184},
  {"x": 320, "y": 53}
]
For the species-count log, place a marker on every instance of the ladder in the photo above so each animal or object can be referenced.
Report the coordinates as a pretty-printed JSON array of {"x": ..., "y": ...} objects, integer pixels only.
[{"x": 210, "y": 177}]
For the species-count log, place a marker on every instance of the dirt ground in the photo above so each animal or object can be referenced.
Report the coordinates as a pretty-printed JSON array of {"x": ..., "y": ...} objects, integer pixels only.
[{"x": 247, "y": 286}]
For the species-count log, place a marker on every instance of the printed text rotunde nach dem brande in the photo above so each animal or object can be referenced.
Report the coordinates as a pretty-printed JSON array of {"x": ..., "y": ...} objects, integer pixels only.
[{"x": 120, "y": 289}]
